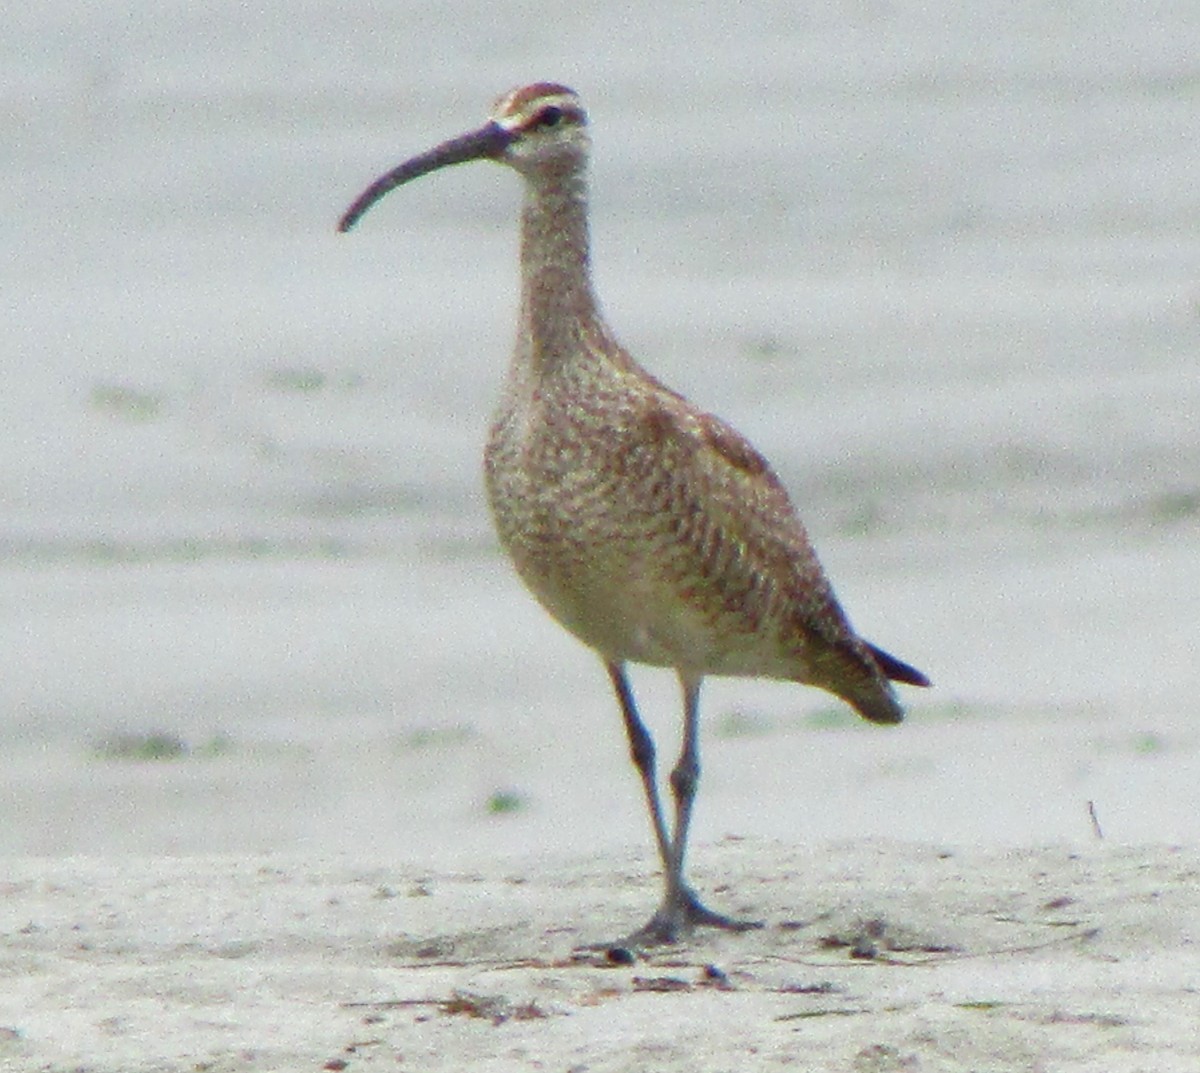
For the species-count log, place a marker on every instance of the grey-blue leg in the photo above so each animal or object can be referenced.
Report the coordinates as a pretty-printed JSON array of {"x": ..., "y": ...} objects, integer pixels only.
[
  {"x": 641, "y": 749},
  {"x": 681, "y": 909}
]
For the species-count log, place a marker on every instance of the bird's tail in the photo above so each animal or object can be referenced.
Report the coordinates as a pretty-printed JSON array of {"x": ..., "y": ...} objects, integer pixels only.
[
  {"x": 862, "y": 680},
  {"x": 896, "y": 669}
]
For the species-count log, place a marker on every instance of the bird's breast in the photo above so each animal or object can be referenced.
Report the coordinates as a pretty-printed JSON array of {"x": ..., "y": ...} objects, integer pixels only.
[{"x": 599, "y": 539}]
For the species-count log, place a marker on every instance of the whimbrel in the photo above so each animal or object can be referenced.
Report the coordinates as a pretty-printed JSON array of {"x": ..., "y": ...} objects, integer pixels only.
[{"x": 651, "y": 530}]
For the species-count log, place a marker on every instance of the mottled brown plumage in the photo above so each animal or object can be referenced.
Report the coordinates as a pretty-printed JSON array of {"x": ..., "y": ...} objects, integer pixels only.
[{"x": 651, "y": 530}]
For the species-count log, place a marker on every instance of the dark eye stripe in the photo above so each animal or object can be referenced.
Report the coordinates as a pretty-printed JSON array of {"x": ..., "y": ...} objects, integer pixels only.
[{"x": 552, "y": 115}]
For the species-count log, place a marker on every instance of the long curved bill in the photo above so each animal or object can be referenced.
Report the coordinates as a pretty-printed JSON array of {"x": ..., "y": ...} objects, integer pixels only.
[{"x": 488, "y": 142}]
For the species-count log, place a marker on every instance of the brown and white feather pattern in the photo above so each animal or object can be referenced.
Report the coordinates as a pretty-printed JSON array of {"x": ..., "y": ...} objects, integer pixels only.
[{"x": 657, "y": 534}]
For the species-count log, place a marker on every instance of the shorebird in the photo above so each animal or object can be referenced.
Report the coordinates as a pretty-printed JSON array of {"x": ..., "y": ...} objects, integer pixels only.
[{"x": 650, "y": 529}]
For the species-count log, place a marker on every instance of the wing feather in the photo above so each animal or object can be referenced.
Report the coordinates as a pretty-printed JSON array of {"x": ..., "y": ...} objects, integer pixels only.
[{"x": 748, "y": 542}]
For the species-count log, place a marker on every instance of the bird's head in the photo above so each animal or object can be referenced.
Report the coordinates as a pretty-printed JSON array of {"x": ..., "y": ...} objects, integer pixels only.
[{"x": 535, "y": 129}]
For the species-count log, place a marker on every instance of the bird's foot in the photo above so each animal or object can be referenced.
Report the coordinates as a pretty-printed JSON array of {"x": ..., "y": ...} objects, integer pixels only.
[
  {"x": 677, "y": 917},
  {"x": 672, "y": 922}
]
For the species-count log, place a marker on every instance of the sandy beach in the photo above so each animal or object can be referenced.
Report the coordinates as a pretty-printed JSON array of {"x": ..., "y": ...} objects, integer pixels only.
[
  {"x": 876, "y": 957},
  {"x": 294, "y": 775}
]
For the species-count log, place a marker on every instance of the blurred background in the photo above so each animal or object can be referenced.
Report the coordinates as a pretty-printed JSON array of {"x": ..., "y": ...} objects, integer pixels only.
[{"x": 941, "y": 263}]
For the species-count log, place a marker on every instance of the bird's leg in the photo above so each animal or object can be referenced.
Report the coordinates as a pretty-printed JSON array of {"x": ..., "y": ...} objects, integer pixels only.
[
  {"x": 641, "y": 749},
  {"x": 681, "y": 908},
  {"x": 685, "y": 777}
]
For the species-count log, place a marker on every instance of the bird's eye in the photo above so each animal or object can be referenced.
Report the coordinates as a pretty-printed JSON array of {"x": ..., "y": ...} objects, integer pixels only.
[{"x": 550, "y": 116}]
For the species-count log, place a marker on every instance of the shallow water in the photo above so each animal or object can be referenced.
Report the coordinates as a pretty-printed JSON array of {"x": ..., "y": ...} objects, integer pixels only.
[{"x": 942, "y": 268}]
